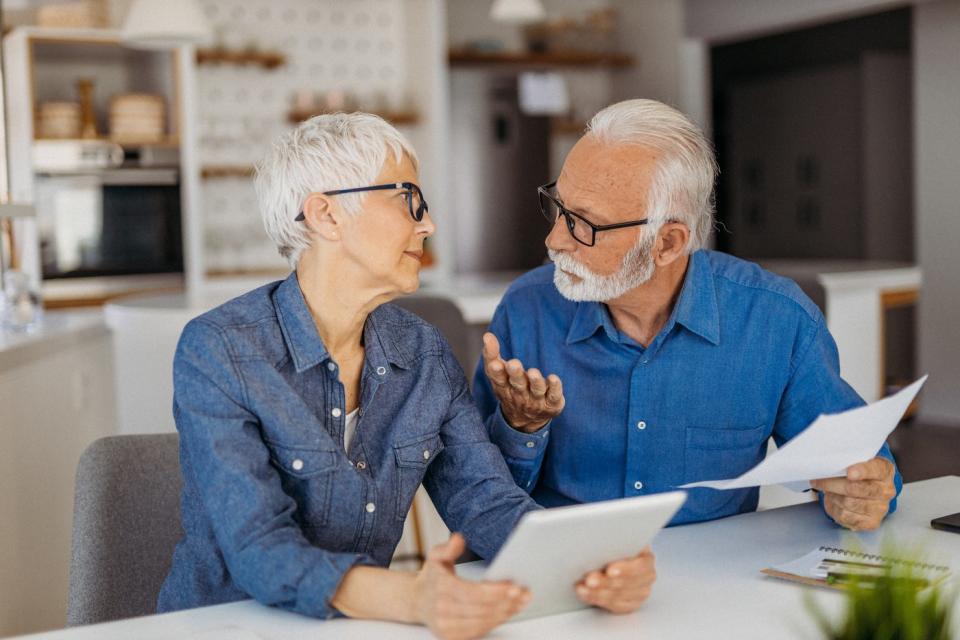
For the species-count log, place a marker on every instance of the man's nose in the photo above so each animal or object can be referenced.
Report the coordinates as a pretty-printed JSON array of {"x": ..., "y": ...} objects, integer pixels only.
[{"x": 559, "y": 238}]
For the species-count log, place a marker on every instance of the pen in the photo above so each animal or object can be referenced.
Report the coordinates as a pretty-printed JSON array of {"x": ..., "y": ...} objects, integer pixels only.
[
  {"x": 871, "y": 579},
  {"x": 852, "y": 563}
]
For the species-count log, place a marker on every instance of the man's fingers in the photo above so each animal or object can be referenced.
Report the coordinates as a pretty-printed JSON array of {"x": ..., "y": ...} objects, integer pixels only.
[
  {"x": 835, "y": 506},
  {"x": 538, "y": 386},
  {"x": 875, "y": 469},
  {"x": 496, "y": 373},
  {"x": 870, "y": 489},
  {"x": 491, "y": 347},
  {"x": 554, "y": 390},
  {"x": 515, "y": 374}
]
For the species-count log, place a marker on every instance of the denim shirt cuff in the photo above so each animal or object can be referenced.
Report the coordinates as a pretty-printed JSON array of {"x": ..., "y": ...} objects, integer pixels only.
[
  {"x": 517, "y": 444},
  {"x": 320, "y": 584}
]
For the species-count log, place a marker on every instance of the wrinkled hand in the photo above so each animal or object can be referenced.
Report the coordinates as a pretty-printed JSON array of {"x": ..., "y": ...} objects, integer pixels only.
[
  {"x": 861, "y": 499},
  {"x": 528, "y": 401},
  {"x": 456, "y": 609},
  {"x": 621, "y": 586}
]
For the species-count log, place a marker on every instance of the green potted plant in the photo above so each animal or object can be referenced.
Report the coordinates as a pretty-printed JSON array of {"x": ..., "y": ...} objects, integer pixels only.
[{"x": 895, "y": 603}]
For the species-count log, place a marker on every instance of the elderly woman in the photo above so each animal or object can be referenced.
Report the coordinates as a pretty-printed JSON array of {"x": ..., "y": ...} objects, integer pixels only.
[{"x": 309, "y": 413}]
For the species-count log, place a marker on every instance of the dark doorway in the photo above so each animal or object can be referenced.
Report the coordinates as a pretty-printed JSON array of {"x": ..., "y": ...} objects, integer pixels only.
[{"x": 814, "y": 139}]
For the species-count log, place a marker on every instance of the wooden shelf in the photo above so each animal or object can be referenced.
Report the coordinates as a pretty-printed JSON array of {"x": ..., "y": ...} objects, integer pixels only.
[
  {"x": 166, "y": 141},
  {"x": 552, "y": 59},
  {"x": 566, "y": 126},
  {"x": 248, "y": 273},
  {"x": 265, "y": 59},
  {"x": 210, "y": 172},
  {"x": 395, "y": 118}
]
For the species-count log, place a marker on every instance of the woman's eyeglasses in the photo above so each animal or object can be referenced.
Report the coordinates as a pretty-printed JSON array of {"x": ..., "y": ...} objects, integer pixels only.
[{"x": 414, "y": 197}]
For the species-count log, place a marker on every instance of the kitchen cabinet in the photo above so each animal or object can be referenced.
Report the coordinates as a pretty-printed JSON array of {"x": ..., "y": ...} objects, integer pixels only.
[{"x": 56, "y": 397}]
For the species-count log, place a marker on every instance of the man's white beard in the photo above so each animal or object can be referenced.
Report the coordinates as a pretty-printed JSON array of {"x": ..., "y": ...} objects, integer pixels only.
[{"x": 636, "y": 269}]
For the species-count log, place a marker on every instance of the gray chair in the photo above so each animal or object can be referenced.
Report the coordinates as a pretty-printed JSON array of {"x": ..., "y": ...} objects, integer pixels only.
[
  {"x": 126, "y": 523},
  {"x": 445, "y": 316}
]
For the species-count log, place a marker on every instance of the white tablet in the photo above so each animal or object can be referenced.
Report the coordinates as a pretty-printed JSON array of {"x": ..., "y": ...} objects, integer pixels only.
[{"x": 551, "y": 550}]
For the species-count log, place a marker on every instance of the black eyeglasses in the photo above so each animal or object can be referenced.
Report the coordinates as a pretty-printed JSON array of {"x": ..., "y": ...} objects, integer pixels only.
[
  {"x": 415, "y": 202},
  {"x": 582, "y": 230}
]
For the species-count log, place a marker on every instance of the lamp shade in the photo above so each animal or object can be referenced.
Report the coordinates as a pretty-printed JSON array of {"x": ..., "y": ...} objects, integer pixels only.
[
  {"x": 517, "y": 11},
  {"x": 162, "y": 24}
]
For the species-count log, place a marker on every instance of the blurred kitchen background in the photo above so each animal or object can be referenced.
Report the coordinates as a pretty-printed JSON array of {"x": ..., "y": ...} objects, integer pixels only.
[{"x": 132, "y": 128}]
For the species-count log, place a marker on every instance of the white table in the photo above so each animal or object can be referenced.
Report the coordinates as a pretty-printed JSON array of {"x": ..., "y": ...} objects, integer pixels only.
[{"x": 709, "y": 585}]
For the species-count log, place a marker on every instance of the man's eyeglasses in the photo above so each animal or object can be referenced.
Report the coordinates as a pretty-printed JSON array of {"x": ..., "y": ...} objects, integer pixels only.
[
  {"x": 414, "y": 197},
  {"x": 582, "y": 230}
]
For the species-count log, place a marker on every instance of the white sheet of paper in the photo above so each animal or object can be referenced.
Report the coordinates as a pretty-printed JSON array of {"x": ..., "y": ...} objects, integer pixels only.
[
  {"x": 827, "y": 447},
  {"x": 543, "y": 94}
]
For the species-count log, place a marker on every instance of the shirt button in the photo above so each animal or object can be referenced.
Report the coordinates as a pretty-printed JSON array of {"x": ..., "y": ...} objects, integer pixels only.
[
  {"x": 331, "y": 366},
  {"x": 361, "y": 465},
  {"x": 336, "y": 412},
  {"x": 641, "y": 425},
  {"x": 371, "y": 507},
  {"x": 638, "y": 485},
  {"x": 531, "y": 444},
  {"x": 381, "y": 371},
  {"x": 297, "y": 464},
  {"x": 426, "y": 454}
]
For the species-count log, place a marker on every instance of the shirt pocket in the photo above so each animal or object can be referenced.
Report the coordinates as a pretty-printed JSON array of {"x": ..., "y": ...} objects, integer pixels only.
[
  {"x": 717, "y": 453},
  {"x": 413, "y": 457},
  {"x": 306, "y": 476}
]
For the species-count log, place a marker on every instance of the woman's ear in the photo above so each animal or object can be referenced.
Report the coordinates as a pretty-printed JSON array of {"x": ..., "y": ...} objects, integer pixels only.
[
  {"x": 323, "y": 216},
  {"x": 671, "y": 243}
]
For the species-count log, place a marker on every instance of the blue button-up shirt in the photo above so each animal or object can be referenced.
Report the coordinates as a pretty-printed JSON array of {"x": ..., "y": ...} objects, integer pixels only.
[
  {"x": 744, "y": 356},
  {"x": 273, "y": 506}
]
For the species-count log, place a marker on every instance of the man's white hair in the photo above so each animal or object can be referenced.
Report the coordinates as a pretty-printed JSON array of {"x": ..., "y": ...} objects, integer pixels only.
[
  {"x": 324, "y": 153},
  {"x": 682, "y": 185}
]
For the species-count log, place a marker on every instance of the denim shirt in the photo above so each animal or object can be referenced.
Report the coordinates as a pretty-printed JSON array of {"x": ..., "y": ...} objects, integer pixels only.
[
  {"x": 273, "y": 507},
  {"x": 744, "y": 356}
]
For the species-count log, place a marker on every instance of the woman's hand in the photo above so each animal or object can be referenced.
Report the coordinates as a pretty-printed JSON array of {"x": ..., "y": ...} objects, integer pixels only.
[
  {"x": 622, "y": 586},
  {"x": 453, "y": 608},
  {"x": 527, "y": 399}
]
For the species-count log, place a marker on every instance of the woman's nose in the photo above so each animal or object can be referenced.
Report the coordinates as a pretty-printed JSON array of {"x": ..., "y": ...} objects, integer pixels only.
[{"x": 426, "y": 225}]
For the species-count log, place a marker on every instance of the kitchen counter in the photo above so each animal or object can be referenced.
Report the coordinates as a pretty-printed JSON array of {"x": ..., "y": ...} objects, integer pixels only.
[
  {"x": 59, "y": 331},
  {"x": 146, "y": 330}
]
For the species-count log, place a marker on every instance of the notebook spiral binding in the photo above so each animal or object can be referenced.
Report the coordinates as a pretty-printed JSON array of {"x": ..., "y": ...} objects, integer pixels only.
[{"x": 885, "y": 559}]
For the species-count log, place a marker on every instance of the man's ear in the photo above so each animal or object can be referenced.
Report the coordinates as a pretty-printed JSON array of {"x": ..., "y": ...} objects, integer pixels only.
[
  {"x": 671, "y": 243},
  {"x": 323, "y": 216}
]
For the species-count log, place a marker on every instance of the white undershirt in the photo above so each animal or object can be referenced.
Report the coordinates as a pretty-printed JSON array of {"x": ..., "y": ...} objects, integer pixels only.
[{"x": 350, "y": 428}]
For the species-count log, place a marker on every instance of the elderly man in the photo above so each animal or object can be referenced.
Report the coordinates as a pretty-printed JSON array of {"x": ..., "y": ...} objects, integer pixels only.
[{"x": 677, "y": 363}]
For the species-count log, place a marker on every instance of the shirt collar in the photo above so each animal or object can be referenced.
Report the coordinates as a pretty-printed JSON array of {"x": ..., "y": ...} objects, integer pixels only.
[
  {"x": 696, "y": 307},
  {"x": 304, "y": 343}
]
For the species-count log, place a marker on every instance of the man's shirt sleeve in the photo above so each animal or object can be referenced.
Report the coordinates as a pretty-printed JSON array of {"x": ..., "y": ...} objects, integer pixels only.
[
  {"x": 522, "y": 452},
  {"x": 815, "y": 387}
]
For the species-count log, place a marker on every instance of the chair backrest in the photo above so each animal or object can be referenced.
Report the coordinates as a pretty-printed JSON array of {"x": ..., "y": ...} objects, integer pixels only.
[
  {"x": 445, "y": 315},
  {"x": 126, "y": 523}
]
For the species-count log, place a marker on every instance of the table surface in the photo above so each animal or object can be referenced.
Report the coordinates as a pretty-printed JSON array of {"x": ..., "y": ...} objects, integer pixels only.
[{"x": 709, "y": 585}]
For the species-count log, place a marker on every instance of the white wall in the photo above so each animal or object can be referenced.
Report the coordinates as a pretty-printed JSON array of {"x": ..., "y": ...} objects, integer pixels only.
[
  {"x": 936, "y": 36},
  {"x": 652, "y": 32}
]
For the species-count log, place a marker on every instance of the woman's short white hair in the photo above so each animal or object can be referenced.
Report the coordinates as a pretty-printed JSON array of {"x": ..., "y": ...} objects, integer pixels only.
[
  {"x": 682, "y": 186},
  {"x": 324, "y": 153}
]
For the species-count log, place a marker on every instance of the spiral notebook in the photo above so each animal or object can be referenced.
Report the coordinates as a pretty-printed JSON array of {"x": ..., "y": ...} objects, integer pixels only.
[{"x": 836, "y": 568}]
